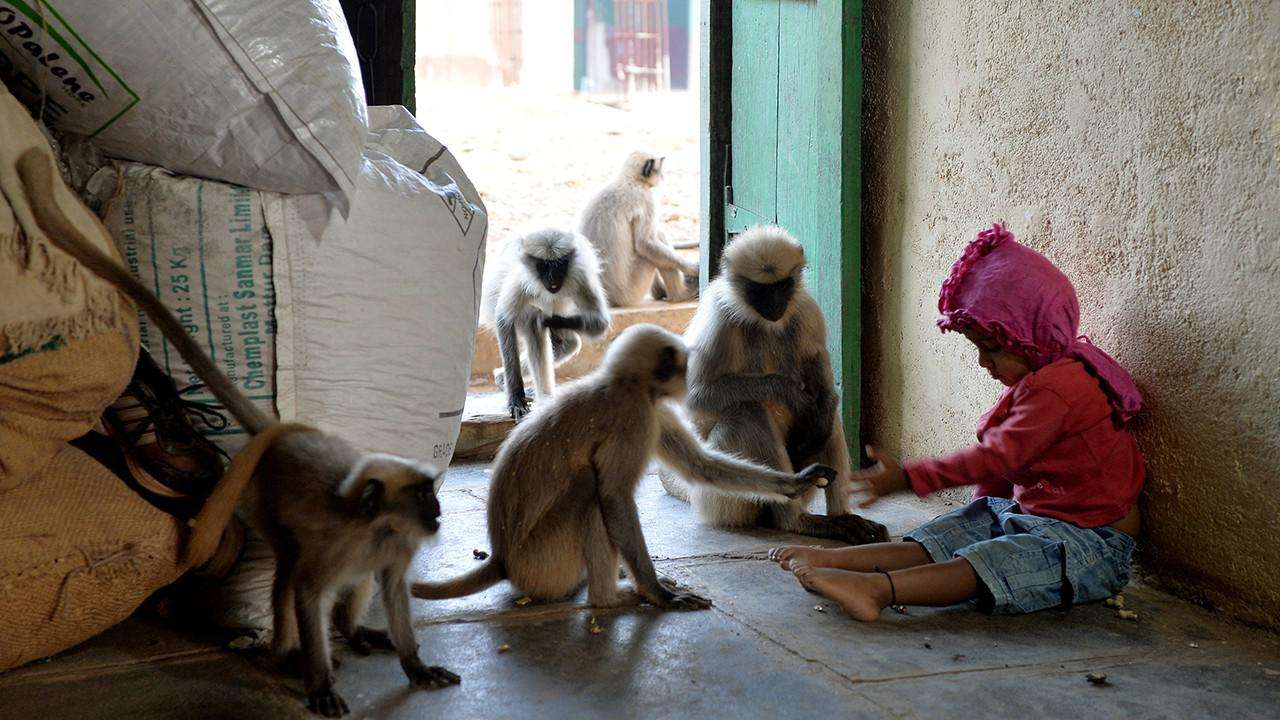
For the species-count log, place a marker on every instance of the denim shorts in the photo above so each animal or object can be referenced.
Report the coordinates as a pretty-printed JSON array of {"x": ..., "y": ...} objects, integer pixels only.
[{"x": 1027, "y": 563}]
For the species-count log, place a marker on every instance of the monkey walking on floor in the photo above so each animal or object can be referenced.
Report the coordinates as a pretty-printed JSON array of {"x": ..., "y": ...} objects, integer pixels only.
[
  {"x": 336, "y": 518},
  {"x": 562, "y": 499},
  {"x": 543, "y": 292},
  {"x": 620, "y": 221},
  {"x": 760, "y": 384}
]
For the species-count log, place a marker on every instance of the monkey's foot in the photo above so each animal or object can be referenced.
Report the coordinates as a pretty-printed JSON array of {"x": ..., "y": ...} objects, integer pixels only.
[
  {"x": 431, "y": 678},
  {"x": 518, "y": 406},
  {"x": 326, "y": 702},
  {"x": 678, "y": 598},
  {"x": 789, "y": 555},
  {"x": 861, "y": 595},
  {"x": 852, "y": 529},
  {"x": 365, "y": 640},
  {"x": 686, "y": 601},
  {"x": 861, "y": 531}
]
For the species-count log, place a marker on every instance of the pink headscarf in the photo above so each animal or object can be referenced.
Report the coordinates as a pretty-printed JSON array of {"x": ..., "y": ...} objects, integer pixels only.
[{"x": 1014, "y": 294}]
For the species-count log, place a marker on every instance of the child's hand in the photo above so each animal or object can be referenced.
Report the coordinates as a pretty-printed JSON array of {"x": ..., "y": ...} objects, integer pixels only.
[{"x": 884, "y": 478}]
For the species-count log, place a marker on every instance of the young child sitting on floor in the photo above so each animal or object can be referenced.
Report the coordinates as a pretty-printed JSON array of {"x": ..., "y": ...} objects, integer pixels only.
[{"x": 1055, "y": 471}]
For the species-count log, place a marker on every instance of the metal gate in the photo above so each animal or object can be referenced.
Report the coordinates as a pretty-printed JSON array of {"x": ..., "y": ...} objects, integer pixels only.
[
  {"x": 642, "y": 47},
  {"x": 508, "y": 40}
]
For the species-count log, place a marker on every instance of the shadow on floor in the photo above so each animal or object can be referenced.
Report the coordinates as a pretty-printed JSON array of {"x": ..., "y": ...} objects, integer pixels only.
[{"x": 768, "y": 649}]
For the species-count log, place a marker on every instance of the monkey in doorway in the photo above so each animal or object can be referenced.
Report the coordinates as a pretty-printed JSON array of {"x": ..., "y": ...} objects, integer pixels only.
[
  {"x": 337, "y": 518},
  {"x": 562, "y": 499},
  {"x": 543, "y": 292},
  {"x": 620, "y": 221},
  {"x": 760, "y": 385}
]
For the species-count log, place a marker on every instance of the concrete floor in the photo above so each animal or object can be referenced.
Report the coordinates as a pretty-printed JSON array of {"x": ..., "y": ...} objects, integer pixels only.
[{"x": 768, "y": 649}]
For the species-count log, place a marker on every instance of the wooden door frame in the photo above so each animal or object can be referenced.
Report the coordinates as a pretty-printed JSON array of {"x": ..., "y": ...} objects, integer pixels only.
[
  {"x": 383, "y": 33},
  {"x": 715, "y": 65}
]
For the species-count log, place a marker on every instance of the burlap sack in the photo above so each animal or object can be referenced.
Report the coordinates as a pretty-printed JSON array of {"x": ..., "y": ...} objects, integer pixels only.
[{"x": 79, "y": 551}]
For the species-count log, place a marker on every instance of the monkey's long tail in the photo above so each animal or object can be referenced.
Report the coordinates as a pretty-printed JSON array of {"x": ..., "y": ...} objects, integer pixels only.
[
  {"x": 486, "y": 576},
  {"x": 206, "y": 530},
  {"x": 39, "y": 180}
]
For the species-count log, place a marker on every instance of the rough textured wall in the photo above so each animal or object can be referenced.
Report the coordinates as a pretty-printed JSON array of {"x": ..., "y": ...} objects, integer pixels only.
[{"x": 1136, "y": 145}]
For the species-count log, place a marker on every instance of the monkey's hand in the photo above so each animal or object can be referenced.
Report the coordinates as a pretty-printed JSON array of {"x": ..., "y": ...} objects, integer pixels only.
[
  {"x": 326, "y": 702},
  {"x": 563, "y": 322},
  {"x": 813, "y": 476},
  {"x": 590, "y": 323},
  {"x": 518, "y": 405},
  {"x": 670, "y": 596},
  {"x": 431, "y": 678}
]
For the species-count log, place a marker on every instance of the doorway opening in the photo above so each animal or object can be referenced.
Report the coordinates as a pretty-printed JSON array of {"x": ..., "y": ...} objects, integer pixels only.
[{"x": 541, "y": 101}]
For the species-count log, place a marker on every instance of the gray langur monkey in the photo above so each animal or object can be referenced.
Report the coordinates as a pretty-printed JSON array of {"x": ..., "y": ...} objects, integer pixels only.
[
  {"x": 562, "y": 498},
  {"x": 760, "y": 384},
  {"x": 543, "y": 292},
  {"x": 620, "y": 221},
  {"x": 336, "y": 518}
]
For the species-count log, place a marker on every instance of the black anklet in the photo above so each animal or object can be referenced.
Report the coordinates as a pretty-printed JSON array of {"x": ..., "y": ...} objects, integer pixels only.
[{"x": 893, "y": 592}]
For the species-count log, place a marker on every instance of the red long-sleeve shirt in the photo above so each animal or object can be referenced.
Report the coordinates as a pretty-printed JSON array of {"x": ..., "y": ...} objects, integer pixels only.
[{"x": 1050, "y": 443}]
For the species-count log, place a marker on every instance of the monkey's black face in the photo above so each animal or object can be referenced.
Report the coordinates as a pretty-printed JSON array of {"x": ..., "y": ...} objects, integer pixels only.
[
  {"x": 426, "y": 504},
  {"x": 551, "y": 273},
  {"x": 417, "y": 501},
  {"x": 770, "y": 299}
]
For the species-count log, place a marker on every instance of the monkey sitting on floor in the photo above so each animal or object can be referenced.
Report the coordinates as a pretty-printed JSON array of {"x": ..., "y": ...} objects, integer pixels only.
[
  {"x": 336, "y": 518},
  {"x": 620, "y": 221},
  {"x": 542, "y": 292},
  {"x": 562, "y": 498},
  {"x": 760, "y": 384}
]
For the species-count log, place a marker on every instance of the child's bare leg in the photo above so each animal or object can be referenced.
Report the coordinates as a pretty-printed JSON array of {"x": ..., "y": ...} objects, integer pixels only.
[
  {"x": 861, "y": 558},
  {"x": 864, "y": 594}
]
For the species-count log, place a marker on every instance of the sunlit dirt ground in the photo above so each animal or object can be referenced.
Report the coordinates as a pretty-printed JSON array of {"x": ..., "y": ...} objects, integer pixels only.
[{"x": 536, "y": 158}]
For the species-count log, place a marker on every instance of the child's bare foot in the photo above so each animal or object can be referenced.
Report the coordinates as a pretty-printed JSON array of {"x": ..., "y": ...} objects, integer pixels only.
[
  {"x": 812, "y": 556},
  {"x": 862, "y": 595}
]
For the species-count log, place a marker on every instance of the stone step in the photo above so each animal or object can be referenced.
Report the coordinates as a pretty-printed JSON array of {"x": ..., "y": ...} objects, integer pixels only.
[
  {"x": 672, "y": 316},
  {"x": 485, "y": 424},
  {"x": 485, "y": 420}
]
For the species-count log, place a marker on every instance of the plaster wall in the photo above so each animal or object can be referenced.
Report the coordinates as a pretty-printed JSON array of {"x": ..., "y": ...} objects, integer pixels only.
[{"x": 1136, "y": 145}]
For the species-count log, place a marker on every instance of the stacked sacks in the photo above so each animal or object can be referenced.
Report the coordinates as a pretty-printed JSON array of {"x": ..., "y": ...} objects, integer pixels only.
[
  {"x": 363, "y": 326},
  {"x": 79, "y": 550},
  {"x": 350, "y": 304},
  {"x": 263, "y": 93}
]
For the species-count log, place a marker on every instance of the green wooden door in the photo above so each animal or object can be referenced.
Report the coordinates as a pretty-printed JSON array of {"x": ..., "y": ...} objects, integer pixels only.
[
  {"x": 753, "y": 115},
  {"x": 792, "y": 70}
]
